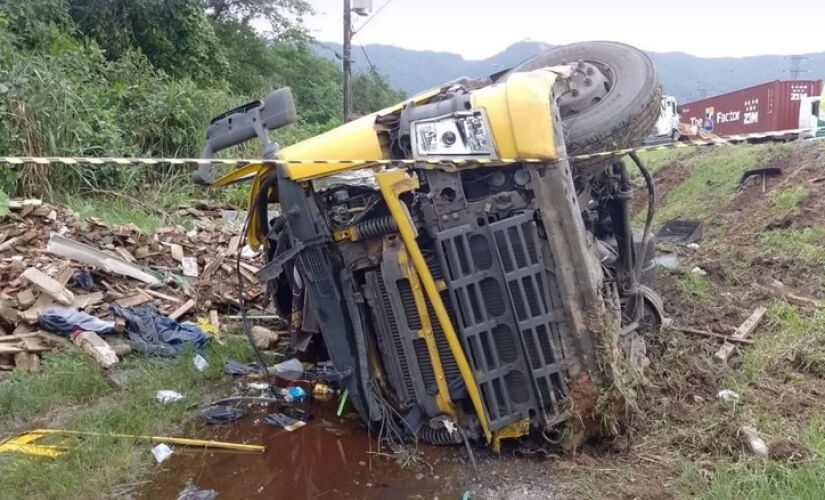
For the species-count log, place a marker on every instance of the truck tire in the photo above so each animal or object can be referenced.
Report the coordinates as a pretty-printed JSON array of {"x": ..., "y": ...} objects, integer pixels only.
[{"x": 624, "y": 117}]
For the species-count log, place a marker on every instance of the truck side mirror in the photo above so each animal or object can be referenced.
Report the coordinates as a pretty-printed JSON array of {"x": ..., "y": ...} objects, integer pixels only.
[{"x": 246, "y": 122}]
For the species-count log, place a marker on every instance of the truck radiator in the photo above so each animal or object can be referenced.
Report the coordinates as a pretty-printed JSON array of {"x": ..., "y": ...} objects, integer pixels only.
[{"x": 498, "y": 287}]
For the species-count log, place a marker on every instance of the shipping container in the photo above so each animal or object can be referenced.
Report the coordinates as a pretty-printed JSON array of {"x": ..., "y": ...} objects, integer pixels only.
[{"x": 768, "y": 107}]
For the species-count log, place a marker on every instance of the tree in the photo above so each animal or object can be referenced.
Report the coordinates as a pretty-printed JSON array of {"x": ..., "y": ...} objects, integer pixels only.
[
  {"x": 284, "y": 17},
  {"x": 175, "y": 35},
  {"x": 372, "y": 92}
]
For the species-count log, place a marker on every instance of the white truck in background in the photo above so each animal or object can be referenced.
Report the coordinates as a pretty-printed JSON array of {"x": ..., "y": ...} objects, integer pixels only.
[
  {"x": 812, "y": 115},
  {"x": 667, "y": 126}
]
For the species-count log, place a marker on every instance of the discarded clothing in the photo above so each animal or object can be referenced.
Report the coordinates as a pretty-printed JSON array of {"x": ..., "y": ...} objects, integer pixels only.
[
  {"x": 215, "y": 415},
  {"x": 284, "y": 422},
  {"x": 84, "y": 279},
  {"x": 232, "y": 367},
  {"x": 66, "y": 321},
  {"x": 155, "y": 334}
]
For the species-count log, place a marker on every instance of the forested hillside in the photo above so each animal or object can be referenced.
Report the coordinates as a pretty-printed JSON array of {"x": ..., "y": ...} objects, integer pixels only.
[{"x": 144, "y": 77}]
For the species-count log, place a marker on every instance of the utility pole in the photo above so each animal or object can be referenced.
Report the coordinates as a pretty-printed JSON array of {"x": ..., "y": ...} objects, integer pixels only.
[
  {"x": 347, "y": 60},
  {"x": 796, "y": 66}
]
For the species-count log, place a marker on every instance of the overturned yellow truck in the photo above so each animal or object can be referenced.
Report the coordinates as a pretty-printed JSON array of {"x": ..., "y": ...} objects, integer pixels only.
[{"x": 466, "y": 279}]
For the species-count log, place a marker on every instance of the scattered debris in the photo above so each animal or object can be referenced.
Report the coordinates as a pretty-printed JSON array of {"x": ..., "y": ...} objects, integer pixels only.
[
  {"x": 162, "y": 452},
  {"x": 693, "y": 246},
  {"x": 728, "y": 396},
  {"x": 756, "y": 444},
  {"x": 284, "y": 422},
  {"x": 680, "y": 231},
  {"x": 191, "y": 492},
  {"x": 158, "y": 335},
  {"x": 698, "y": 270},
  {"x": 97, "y": 348},
  {"x": 779, "y": 288},
  {"x": 66, "y": 321},
  {"x": 220, "y": 414},
  {"x": 667, "y": 260},
  {"x": 264, "y": 337},
  {"x": 294, "y": 394},
  {"x": 165, "y": 396},
  {"x": 64, "y": 247},
  {"x": 25, "y": 443},
  {"x": 763, "y": 172},
  {"x": 743, "y": 331},
  {"x": 705, "y": 333},
  {"x": 200, "y": 362},
  {"x": 232, "y": 367},
  {"x": 291, "y": 369},
  {"x": 53, "y": 288}
]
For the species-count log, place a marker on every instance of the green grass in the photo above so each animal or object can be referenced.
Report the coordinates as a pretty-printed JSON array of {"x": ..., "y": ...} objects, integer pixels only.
[
  {"x": 786, "y": 202},
  {"x": 657, "y": 160},
  {"x": 694, "y": 284},
  {"x": 805, "y": 246},
  {"x": 713, "y": 180},
  {"x": 764, "y": 479},
  {"x": 96, "y": 466}
]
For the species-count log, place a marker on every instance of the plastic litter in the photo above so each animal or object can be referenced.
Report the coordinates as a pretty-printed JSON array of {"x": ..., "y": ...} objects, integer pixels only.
[
  {"x": 284, "y": 422},
  {"x": 66, "y": 321},
  {"x": 220, "y": 414},
  {"x": 200, "y": 363},
  {"x": 258, "y": 386},
  {"x": 291, "y": 369},
  {"x": 296, "y": 413},
  {"x": 232, "y": 367},
  {"x": 667, "y": 260},
  {"x": 191, "y": 492},
  {"x": 166, "y": 396},
  {"x": 155, "y": 334},
  {"x": 728, "y": 395},
  {"x": 698, "y": 270},
  {"x": 84, "y": 279},
  {"x": 162, "y": 452},
  {"x": 294, "y": 394},
  {"x": 757, "y": 445}
]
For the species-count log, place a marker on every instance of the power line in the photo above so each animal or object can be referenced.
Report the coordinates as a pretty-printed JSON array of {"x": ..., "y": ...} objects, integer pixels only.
[{"x": 373, "y": 16}]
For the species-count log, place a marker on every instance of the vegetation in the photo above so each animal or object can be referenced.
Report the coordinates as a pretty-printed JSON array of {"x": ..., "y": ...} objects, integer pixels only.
[
  {"x": 95, "y": 466},
  {"x": 144, "y": 77}
]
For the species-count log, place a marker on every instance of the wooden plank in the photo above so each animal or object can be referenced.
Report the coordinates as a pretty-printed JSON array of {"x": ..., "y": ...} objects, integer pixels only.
[
  {"x": 82, "y": 301},
  {"x": 177, "y": 252},
  {"x": 234, "y": 243},
  {"x": 9, "y": 243},
  {"x": 214, "y": 319},
  {"x": 211, "y": 266},
  {"x": 49, "y": 285},
  {"x": 705, "y": 333},
  {"x": 744, "y": 330},
  {"x": 126, "y": 254},
  {"x": 27, "y": 361},
  {"x": 180, "y": 311},
  {"x": 134, "y": 300},
  {"x": 161, "y": 296}
]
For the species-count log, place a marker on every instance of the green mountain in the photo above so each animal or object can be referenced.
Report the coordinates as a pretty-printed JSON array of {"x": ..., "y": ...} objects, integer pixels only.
[{"x": 683, "y": 75}]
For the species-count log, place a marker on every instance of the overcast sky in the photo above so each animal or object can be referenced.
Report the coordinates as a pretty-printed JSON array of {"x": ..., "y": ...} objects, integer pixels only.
[{"x": 478, "y": 29}]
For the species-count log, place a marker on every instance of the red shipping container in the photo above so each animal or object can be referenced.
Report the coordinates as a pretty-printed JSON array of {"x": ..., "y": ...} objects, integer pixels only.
[{"x": 764, "y": 108}]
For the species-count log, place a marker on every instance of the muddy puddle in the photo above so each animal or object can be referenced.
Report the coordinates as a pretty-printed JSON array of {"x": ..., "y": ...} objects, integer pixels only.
[{"x": 328, "y": 458}]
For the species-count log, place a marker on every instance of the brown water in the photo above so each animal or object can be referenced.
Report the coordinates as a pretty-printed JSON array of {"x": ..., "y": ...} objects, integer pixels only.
[{"x": 327, "y": 458}]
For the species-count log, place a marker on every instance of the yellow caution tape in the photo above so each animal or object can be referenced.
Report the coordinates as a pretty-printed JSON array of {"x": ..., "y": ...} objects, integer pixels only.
[{"x": 237, "y": 162}]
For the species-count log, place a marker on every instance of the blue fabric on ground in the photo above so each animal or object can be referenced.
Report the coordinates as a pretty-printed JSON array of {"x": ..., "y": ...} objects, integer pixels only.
[
  {"x": 155, "y": 334},
  {"x": 65, "y": 321}
]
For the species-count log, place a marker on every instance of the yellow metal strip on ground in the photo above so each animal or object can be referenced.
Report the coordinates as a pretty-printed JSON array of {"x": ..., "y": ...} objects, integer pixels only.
[
  {"x": 443, "y": 399},
  {"x": 157, "y": 439},
  {"x": 392, "y": 183}
]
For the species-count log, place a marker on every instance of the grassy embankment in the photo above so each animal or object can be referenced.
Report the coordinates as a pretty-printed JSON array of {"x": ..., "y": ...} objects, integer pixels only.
[{"x": 685, "y": 442}]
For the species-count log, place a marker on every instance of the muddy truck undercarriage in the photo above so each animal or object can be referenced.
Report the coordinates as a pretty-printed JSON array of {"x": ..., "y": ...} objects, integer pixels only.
[{"x": 463, "y": 277}]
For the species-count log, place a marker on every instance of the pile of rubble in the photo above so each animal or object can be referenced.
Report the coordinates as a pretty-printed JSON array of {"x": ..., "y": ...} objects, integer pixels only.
[{"x": 51, "y": 258}]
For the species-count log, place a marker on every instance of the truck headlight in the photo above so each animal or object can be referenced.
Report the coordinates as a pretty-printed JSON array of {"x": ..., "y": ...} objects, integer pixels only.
[{"x": 463, "y": 134}]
